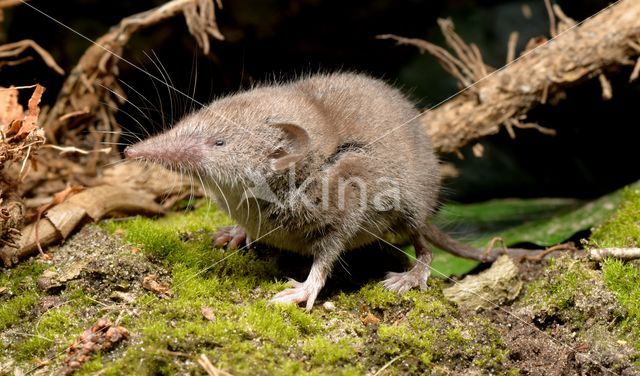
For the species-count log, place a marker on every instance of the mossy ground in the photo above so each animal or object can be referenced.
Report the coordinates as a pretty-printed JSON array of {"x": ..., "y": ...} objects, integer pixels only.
[
  {"x": 597, "y": 304},
  {"x": 574, "y": 302},
  {"x": 368, "y": 327}
]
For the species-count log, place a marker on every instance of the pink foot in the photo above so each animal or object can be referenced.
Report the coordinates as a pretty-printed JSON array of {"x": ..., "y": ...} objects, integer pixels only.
[
  {"x": 300, "y": 292},
  {"x": 403, "y": 282},
  {"x": 233, "y": 237}
]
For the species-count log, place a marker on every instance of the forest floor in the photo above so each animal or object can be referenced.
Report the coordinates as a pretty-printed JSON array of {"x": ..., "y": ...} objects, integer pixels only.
[{"x": 175, "y": 305}]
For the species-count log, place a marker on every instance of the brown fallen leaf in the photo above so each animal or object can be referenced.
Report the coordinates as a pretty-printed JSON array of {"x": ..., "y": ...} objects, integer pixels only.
[
  {"x": 10, "y": 109},
  {"x": 207, "y": 312},
  {"x": 161, "y": 289},
  {"x": 30, "y": 121},
  {"x": 370, "y": 319},
  {"x": 49, "y": 282}
]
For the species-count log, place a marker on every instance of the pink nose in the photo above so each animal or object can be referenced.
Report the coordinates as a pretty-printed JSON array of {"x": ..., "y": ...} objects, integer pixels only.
[{"x": 131, "y": 153}]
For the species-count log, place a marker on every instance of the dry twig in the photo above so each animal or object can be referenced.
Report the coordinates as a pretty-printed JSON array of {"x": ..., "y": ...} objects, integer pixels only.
[
  {"x": 619, "y": 253},
  {"x": 16, "y": 48},
  {"x": 205, "y": 363}
]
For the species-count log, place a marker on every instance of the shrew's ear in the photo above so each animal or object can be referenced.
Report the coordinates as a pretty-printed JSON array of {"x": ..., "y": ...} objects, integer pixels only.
[{"x": 294, "y": 146}]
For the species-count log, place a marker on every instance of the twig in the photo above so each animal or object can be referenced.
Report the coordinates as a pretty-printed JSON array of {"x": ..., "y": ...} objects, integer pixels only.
[
  {"x": 388, "y": 364},
  {"x": 619, "y": 253},
  {"x": 205, "y": 363},
  {"x": 570, "y": 247},
  {"x": 491, "y": 246},
  {"x": 73, "y": 114},
  {"x": 15, "y": 48},
  {"x": 95, "y": 75},
  {"x": 19, "y": 87},
  {"x": 565, "y": 21},
  {"x": 636, "y": 71},
  {"x": 578, "y": 54},
  {"x": 511, "y": 46},
  {"x": 607, "y": 91},
  {"x": 552, "y": 18},
  {"x": 548, "y": 131}
]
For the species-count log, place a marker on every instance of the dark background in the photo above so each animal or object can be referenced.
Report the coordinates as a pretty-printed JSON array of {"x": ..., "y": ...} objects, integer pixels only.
[{"x": 595, "y": 150}]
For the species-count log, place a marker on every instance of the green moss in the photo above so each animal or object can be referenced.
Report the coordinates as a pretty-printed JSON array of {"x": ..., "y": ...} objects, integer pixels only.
[
  {"x": 16, "y": 309},
  {"x": 19, "y": 284},
  {"x": 22, "y": 277},
  {"x": 247, "y": 335},
  {"x": 326, "y": 352},
  {"x": 623, "y": 228},
  {"x": 556, "y": 293},
  {"x": 624, "y": 280},
  {"x": 373, "y": 295},
  {"x": 56, "y": 328}
]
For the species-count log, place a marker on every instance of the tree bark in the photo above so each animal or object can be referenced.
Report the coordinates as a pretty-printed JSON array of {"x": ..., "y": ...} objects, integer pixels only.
[{"x": 502, "y": 98}]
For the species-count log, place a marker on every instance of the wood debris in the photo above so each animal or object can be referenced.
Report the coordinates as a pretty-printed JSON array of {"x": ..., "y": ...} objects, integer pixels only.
[
  {"x": 491, "y": 101},
  {"x": 497, "y": 285},
  {"x": 21, "y": 138},
  {"x": 89, "y": 205},
  {"x": 619, "y": 253},
  {"x": 16, "y": 48}
]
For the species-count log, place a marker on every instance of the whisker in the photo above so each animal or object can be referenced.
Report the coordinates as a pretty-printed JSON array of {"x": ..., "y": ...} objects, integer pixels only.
[
  {"x": 167, "y": 82},
  {"x": 194, "y": 75},
  {"x": 162, "y": 116}
]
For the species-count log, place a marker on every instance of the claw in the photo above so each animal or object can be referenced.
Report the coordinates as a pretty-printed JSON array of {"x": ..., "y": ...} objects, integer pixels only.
[
  {"x": 403, "y": 282},
  {"x": 231, "y": 237},
  {"x": 300, "y": 292}
]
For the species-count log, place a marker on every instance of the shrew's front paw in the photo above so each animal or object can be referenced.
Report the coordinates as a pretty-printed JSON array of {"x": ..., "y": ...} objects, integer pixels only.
[
  {"x": 230, "y": 237},
  {"x": 300, "y": 292}
]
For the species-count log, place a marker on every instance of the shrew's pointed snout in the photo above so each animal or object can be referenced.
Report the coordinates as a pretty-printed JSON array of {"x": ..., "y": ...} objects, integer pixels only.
[
  {"x": 167, "y": 150},
  {"x": 131, "y": 153}
]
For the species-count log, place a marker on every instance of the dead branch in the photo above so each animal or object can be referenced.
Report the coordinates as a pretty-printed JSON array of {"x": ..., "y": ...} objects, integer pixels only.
[
  {"x": 124, "y": 188},
  {"x": 601, "y": 44},
  {"x": 619, "y": 253},
  {"x": 16, "y": 48},
  {"x": 92, "y": 86},
  {"x": 61, "y": 220}
]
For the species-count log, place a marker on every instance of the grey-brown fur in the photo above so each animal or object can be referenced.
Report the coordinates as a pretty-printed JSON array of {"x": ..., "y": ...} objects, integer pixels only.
[{"x": 314, "y": 133}]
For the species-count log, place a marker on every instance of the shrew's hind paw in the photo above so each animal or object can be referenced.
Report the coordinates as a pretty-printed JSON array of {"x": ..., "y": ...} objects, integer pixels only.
[
  {"x": 402, "y": 282},
  {"x": 230, "y": 237}
]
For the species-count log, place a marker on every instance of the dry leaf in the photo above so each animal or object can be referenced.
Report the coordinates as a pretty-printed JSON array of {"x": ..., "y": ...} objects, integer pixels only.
[
  {"x": 10, "y": 109},
  {"x": 161, "y": 289},
  {"x": 370, "y": 319},
  {"x": 207, "y": 312},
  {"x": 30, "y": 121}
]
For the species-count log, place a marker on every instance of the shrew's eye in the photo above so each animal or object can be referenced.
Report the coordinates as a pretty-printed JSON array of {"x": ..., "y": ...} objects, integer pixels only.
[{"x": 219, "y": 143}]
